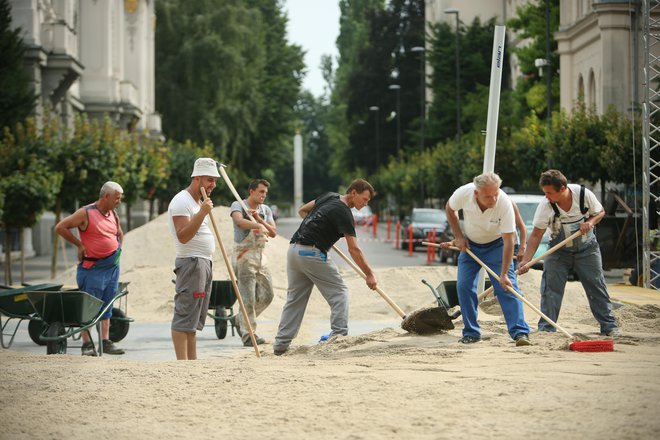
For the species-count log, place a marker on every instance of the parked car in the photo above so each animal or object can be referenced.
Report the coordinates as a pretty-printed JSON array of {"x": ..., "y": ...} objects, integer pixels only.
[
  {"x": 527, "y": 204},
  {"x": 423, "y": 221},
  {"x": 363, "y": 216}
]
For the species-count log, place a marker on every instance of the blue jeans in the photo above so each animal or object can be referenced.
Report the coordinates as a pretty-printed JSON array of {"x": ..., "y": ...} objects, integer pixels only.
[
  {"x": 466, "y": 286},
  {"x": 585, "y": 260},
  {"x": 101, "y": 281}
]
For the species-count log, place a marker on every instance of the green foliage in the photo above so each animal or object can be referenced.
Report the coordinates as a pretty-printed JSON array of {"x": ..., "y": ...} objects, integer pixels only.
[
  {"x": 374, "y": 47},
  {"x": 576, "y": 144},
  {"x": 475, "y": 44},
  {"x": 28, "y": 180},
  {"x": 317, "y": 179},
  {"x": 226, "y": 76},
  {"x": 622, "y": 152},
  {"x": 87, "y": 158},
  {"x": 17, "y": 97},
  {"x": 181, "y": 160},
  {"x": 529, "y": 22}
]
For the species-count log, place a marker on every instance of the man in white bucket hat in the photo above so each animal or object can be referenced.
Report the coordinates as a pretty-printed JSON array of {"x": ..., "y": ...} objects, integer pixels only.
[{"x": 195, "y": 245}]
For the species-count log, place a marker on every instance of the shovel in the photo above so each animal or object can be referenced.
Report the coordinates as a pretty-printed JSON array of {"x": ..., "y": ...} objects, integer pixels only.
[
  {"x": 232, "y": 276},
  {"x": 424, "y": 321},
  {"x": 590, "y": 346}
]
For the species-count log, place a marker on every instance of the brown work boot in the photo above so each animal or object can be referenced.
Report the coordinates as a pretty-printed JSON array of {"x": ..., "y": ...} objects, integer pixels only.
[
  {"x": 87, "y": 349},
  {"x": 109, "y": 347}
]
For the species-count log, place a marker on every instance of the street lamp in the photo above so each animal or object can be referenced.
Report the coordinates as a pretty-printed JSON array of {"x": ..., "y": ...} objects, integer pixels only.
[
  {"x": 375, "y": 108},
  {"x": 422, "y": 105},
  {"x": 458, "y": 74},
  {"x": 397, "y": 89}
]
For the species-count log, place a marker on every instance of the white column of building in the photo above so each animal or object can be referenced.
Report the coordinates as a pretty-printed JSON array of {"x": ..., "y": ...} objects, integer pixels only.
[{"x": 99, "y": 40}]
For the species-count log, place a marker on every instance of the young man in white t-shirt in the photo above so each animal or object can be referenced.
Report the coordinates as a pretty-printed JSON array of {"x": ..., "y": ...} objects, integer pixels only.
[
  {"x": 189, "y": 225},
  {"x": 489, "y": 222},
  {"x": 564, "y": 213}
]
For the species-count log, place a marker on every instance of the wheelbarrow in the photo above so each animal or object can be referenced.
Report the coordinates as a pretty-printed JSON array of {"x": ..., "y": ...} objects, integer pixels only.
[
  {"x": 14, "y": 305},
  {"x": 119, "y": 321},
  {"x": 67, "y": 313},
  {"x": 222, "y": 302},
  {"x": 447, "y": 296}
]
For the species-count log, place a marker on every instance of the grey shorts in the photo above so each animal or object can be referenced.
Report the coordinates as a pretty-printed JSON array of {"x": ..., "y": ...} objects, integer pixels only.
[{"x": 194, "y": 277}]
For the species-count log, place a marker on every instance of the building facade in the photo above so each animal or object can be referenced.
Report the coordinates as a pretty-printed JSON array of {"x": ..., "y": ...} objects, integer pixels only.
[
  {"x": 599, "y": 45},
  {"x": 95, "y": 57}
]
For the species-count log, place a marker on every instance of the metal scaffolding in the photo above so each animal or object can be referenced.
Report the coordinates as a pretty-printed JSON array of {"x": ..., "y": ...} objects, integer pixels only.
[{"x": 651, "y": 143}]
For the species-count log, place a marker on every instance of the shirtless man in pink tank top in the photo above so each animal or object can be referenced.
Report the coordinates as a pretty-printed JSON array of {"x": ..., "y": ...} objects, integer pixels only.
[{"x": 99, "y": 248}]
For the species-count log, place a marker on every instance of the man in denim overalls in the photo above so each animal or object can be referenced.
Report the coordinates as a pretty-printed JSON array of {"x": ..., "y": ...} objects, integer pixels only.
[{"x": 570, "y": 208}]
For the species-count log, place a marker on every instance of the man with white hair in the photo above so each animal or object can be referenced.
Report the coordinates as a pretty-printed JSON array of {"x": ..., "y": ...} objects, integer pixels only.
[
  {"x": 99, "y": 249},
  {"x": 188, "y": 222},
  {"x": 489, "y": 229}
]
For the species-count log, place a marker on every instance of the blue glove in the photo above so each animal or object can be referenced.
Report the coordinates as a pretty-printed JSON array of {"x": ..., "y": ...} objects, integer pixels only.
[{"x": 325, "y": 337}]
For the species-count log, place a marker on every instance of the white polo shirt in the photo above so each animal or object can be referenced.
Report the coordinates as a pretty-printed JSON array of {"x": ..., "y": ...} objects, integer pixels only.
[{"x": 489, "y": 225}]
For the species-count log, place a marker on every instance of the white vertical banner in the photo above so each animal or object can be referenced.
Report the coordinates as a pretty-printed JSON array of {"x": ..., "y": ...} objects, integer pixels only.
[
  {"x": 297, "y": 172},
  {"x": 496, "y": 67}
]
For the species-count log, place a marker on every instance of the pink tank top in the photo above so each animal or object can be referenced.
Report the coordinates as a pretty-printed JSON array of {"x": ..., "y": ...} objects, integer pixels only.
[{"x": 100, "y": 237}]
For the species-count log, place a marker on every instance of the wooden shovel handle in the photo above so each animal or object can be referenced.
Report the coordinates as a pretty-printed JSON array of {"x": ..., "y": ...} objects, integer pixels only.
[
  {"x": 378, "y": 289},
  {"x": 530, "y": 263},
  {"x": 232, "y": 276},
  {"x": 519, "y": 296}
]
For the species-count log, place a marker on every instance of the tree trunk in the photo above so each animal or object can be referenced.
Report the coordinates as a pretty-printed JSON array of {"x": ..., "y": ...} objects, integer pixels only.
[
  {"x": 128, "y": 218},
  {"x": 7, "y": 256},
  {"x": 152, "y": 203},
  {"x": 53, "y": 261},
  {"x": 22, "y": 244}
]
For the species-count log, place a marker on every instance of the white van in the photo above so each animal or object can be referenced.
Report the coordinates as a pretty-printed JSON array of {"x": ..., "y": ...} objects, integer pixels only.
[{"x": 527, "y": 204}]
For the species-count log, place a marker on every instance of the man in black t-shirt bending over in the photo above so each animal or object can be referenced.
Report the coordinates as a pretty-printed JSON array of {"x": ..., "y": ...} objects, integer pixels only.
[{"x": 325, "y": 220}]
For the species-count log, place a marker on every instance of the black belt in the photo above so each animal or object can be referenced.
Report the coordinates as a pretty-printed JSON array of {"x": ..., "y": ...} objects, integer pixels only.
[
  {"x": 99, "y": 258},
  {"x": 490, "y": 243},
  {"x": 303, "y": 243}
]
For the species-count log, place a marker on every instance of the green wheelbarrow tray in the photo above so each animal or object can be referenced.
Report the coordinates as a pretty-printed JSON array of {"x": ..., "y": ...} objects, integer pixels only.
[
  {"x": 14, "y": 304},
  {"x": 447, "y": 296},
  {"x": 74, "y": 309},
  {"x": 222, "y": 300}
]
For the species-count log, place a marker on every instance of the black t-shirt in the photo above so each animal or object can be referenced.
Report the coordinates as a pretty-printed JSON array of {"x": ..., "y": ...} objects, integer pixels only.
[{"x": 329, "y": 220}]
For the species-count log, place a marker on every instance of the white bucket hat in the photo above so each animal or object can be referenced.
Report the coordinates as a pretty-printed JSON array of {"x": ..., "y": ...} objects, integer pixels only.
[{"x": 205, "y": 166}]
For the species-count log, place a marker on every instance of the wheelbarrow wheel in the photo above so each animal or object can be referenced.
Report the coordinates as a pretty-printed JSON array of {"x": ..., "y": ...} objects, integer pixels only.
[
  {"x": 36, "y": 328},
  {"x": 220, "y": 322},
  {"x": 118, "y": 325},
  {"x": 56, "y": 347}
]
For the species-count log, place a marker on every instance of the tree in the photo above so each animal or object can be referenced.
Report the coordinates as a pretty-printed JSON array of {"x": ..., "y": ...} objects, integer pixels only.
[
  {"x": 476, "y": 44},
  {"x": 312, "y": 113},
  {"x": 239, "y": 82},
  {"x": 29, "y": 182},
  {"x": 17, "y": 97},
  {"x": 529, "y": 22}
]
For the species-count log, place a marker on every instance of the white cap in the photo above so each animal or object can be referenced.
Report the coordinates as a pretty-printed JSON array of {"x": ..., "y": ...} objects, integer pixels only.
[{"x": 205, "y": 166}]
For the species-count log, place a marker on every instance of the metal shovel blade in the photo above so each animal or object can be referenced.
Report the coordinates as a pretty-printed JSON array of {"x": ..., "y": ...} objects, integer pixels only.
[{"x": 427, "y": 321}]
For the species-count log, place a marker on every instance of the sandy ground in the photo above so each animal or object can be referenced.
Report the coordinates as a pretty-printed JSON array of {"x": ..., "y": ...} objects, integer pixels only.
[{"x": 380, "y": 385}]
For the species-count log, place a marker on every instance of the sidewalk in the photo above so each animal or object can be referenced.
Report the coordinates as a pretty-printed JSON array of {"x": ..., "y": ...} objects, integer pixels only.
[{"x": 38, "y": 268}]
